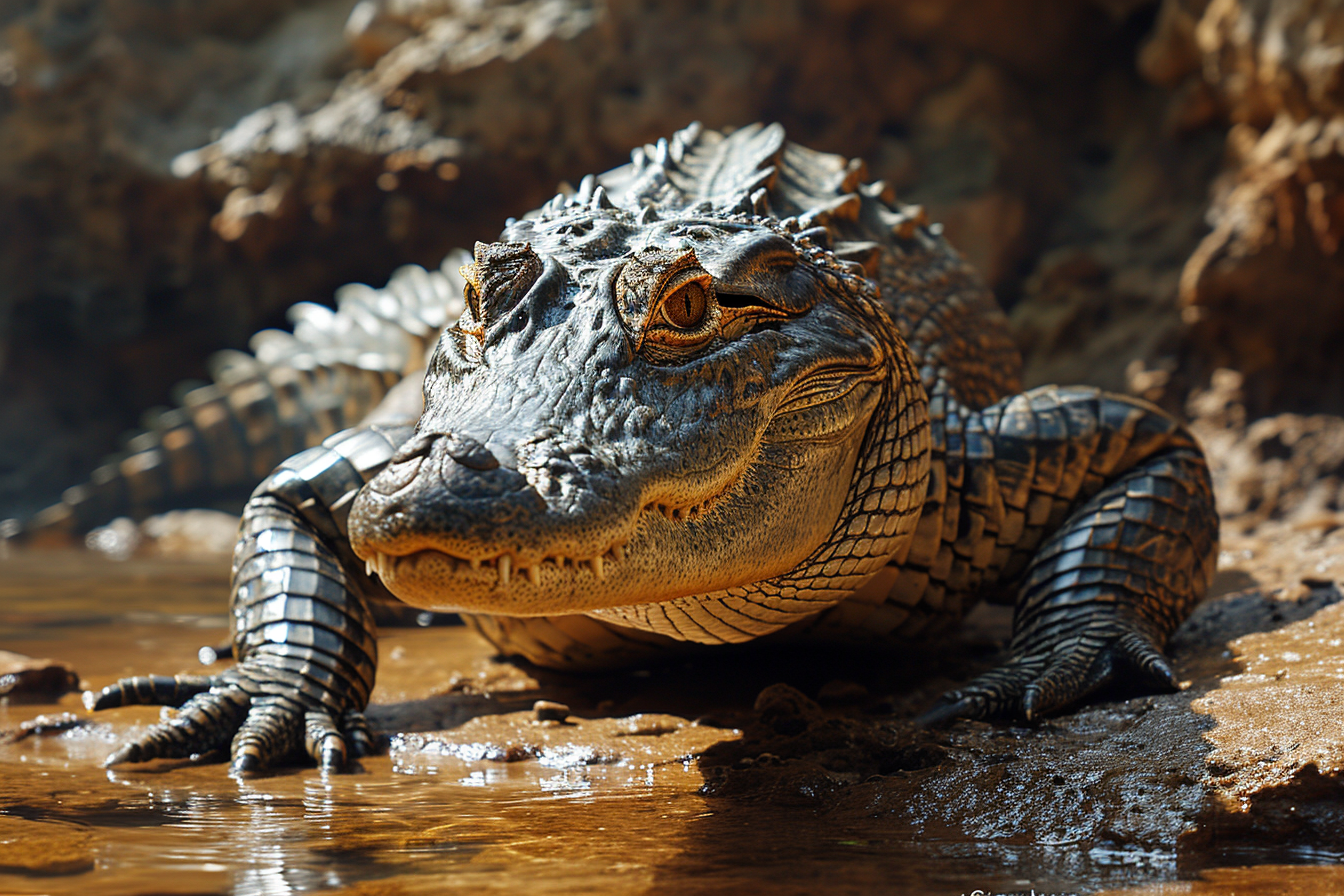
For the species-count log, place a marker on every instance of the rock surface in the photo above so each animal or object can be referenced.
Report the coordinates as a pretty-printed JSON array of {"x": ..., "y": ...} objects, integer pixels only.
[
  {"x": 181, "y": 179},
  {"x": 1262, "y": 290},
  {"x": 113, "y": 288},
  {"x": 27, "y": 680}
]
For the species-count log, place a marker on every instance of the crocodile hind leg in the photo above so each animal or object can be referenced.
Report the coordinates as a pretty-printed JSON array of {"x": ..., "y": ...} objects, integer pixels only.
[
  {"x": 302, "y": 629},
  {"x": 1097, "y": 511}
]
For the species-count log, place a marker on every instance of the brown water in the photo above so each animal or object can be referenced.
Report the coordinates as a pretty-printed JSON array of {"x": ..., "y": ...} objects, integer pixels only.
[{"x": 607, "y": 804}]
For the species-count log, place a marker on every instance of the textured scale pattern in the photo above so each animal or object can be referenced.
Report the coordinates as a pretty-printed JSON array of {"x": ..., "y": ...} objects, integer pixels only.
[
  {"x": 1091, "y": 513},
  {"x": 888, "y": 478}
]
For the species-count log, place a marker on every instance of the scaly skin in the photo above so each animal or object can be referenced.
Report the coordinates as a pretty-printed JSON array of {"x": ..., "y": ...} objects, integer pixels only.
[{"x": 727, "y": 391}]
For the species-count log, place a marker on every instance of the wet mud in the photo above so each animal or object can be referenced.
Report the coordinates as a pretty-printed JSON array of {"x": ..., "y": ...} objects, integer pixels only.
[{"x": 792, "y": 769}]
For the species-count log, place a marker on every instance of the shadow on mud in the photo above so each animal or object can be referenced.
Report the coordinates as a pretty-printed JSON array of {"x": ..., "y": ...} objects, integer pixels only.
[
  {"x": 830, "y": 778},
  {"x": 1078, "y": 800}
]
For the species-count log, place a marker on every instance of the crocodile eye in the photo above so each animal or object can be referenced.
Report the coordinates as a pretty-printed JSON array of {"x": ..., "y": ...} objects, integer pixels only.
[
  {"x": 495, "y": 282},
  {"x": 471, "y": 290},
  {"x": 686, "y": 308},
  {"x": 667, "y": 299},
  {"x": 472, "y": 321},
  {"x": 687, "y": 316}
]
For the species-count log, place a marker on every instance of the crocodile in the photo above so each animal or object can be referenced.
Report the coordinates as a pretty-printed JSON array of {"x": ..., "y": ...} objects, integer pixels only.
[{"x": 730, "y": 390}]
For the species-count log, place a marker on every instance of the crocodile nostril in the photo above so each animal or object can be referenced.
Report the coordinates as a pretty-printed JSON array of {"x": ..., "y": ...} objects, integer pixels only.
[
  {"x": 417, "y": 445},
  {"x": 470, "y": 453},
  {"x": 396, "y": 476}
]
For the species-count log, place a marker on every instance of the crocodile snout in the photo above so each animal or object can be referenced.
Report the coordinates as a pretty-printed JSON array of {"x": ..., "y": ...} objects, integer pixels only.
[
  {"x": 454, "y": 522},
  {"x": 442, "y": 491}
]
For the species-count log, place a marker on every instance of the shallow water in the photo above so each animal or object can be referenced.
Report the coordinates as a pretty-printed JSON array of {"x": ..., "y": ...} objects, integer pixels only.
[{"x": 610, "y": 803}]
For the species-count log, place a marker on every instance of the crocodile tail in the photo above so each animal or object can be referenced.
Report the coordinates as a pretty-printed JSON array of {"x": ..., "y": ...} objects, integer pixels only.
[{"x": 291, "y": 392}]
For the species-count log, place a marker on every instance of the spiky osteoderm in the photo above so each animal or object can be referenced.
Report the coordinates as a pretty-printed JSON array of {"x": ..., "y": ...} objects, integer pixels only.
[{"x": 950, "y": 320}]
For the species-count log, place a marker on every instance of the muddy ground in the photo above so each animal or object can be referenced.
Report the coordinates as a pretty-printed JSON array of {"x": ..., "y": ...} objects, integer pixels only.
[
  {"x": 1240, "y": 767},
  {"x": 1241, "y": 764}
]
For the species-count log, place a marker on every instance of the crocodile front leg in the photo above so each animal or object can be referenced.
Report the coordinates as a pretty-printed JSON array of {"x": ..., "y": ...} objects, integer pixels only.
[
  {"x": 302, "y": 630},
  {"x": 1096, "y": 512}
]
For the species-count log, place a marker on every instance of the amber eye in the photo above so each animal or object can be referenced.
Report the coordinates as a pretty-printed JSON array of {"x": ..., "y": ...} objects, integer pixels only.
[
  {"x": 471, "y": 290},
  {"x": 686, "y": 316},
  {"x": 685, "y": 309},
  {"x": 472, "y": 321}
]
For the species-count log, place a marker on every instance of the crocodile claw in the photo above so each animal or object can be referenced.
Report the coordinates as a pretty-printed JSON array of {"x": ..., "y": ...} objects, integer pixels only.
[
  {"x": 204, "y": 723},
  {"x": 231, "y": 712},
  {"x": 149, "y": 690},
  {"x": 1036, "y": 684}
]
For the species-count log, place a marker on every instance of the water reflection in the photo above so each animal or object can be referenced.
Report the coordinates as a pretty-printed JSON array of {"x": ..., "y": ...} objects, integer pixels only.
[
  {"x": 292, "y": 833},
  {"x": 504, "y": 805}
]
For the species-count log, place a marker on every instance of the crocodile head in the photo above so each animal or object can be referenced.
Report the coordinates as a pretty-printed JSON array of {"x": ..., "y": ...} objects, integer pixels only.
[{"x": 633, "y": 411}]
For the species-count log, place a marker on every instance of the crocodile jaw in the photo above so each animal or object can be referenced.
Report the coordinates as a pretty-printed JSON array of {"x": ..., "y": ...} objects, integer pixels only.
[{"x": 663, "y": 553}]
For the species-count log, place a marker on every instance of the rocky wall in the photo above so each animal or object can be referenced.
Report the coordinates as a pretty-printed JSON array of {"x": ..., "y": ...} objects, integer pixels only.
[
  {"x": 1263, "y": 290},
  {"x": 1150, "y": 188}
]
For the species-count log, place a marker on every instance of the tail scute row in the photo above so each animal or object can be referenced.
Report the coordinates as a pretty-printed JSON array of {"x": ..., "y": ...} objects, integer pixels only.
[{"x": 294, "y": 390}]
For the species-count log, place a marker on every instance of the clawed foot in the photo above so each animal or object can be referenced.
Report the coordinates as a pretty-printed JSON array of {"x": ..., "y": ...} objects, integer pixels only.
[
  {"x": 240, "y": 711},
  {"x": 1034, "y": 684}
]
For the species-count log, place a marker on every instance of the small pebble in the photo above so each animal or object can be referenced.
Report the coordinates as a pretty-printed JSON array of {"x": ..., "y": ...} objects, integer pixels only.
[
  {"x": 208, "y": 655},
  {"x": 550, "y": 711},
  {"x": 785, "y": 709},
  {"x": 27, "y": 680}
]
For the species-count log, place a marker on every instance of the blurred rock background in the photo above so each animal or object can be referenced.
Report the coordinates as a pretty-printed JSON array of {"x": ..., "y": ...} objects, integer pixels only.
[{"x": 1155, "y": 190}]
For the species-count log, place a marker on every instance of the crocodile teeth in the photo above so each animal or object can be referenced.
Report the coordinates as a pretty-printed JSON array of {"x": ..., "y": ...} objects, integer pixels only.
[{"x": 383, "y": 565}]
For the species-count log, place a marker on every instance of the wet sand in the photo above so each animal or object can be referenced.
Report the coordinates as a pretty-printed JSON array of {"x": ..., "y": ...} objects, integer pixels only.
[{"x": 474, "y": 794}]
